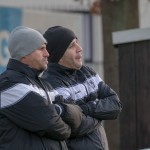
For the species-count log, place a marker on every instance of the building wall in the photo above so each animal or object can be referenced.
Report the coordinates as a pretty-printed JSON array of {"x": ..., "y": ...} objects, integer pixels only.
[
  {"x": 80, "y": 5},
  {"x": 9, "y": 18},
  {"x": 43, "y": 14},
  {"x": 43, "y": 19},
  {"x": 144, "y": 13}
]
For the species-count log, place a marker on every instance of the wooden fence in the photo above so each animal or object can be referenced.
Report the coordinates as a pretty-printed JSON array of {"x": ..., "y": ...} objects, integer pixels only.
[{"x": 134, "y": 87}]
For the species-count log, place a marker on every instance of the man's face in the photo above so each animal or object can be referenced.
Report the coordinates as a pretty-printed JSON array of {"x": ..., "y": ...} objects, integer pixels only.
[
  {"x": 72, "y": 57},
  {"x": 38, "y": 59}
]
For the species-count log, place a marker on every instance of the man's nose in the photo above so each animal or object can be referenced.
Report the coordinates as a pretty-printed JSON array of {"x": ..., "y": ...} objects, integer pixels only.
[{"x": 46, "y": 53}]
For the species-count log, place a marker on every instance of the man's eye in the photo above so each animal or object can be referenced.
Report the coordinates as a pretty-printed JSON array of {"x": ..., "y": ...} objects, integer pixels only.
[
  {"x": 42, "y": 49},
  {"x": 71, "y": 46}
]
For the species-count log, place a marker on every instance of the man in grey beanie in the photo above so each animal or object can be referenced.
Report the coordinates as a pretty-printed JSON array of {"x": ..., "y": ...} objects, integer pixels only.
[{"x": 28, "y": 118}]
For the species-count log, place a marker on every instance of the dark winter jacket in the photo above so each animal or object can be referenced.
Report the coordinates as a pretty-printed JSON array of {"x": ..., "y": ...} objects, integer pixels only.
[
  {"x": 28, "y": 120},
  {"x": 98, "y": 101}
]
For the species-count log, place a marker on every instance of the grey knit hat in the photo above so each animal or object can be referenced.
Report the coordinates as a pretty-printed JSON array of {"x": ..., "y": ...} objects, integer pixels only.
[{"x": 23, "y": 41}]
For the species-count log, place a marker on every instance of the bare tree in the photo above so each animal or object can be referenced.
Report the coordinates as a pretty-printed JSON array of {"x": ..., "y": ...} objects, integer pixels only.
[{"x": 116, "y": 15}]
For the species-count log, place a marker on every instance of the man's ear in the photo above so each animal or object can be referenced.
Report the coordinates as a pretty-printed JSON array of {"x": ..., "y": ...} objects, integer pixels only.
[{"x": 23, "y": 59}]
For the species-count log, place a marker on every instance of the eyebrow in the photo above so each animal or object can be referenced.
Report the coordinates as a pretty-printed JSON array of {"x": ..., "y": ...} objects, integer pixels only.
[
  {"x": 42, "y": 46},
  {"x": 72, "y": 42}
]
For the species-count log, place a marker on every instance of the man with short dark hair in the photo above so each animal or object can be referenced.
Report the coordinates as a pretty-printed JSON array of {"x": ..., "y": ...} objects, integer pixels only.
[{"x": 81, "y": 85}]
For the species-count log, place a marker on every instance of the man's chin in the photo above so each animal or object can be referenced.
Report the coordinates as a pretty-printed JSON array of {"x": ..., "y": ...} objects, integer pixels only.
[
  {"x": 79, "y": 67},
  {"x": 43, "y": 69}
]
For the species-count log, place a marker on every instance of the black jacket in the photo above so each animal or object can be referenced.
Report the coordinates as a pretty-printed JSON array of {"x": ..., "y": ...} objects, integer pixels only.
[
  {"x": 28, "y": 121},
  {"x": 98, "y": 101}
]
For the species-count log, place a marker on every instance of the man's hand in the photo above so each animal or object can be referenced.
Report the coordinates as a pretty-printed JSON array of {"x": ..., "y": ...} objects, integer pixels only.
[{"x": 71, "y": 114}]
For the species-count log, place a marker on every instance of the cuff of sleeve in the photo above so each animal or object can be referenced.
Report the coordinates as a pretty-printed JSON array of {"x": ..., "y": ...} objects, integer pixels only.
[{"x": 58, "y": 109}]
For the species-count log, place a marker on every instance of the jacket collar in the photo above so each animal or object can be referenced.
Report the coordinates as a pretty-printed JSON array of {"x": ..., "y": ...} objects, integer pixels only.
[
  {"x": 61, "y": 69},
  {"x": 22, "y": 68}
]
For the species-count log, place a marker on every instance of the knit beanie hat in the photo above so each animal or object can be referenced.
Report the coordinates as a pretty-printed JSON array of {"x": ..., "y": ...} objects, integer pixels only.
[
  {"x": 58, "y": 39},
  {"x": 23, "y": 41}
]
